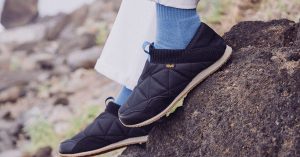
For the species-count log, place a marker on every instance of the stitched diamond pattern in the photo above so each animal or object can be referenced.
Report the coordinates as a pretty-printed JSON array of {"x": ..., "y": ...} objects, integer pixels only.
[
  {"x": 107, "y": 125},
  {"x": 159, "y": 82},
  {"x": 104, "y": 130}
]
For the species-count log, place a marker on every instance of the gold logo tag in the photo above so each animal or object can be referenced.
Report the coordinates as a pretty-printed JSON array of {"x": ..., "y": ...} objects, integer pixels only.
[{"x": 170, "y": 65}]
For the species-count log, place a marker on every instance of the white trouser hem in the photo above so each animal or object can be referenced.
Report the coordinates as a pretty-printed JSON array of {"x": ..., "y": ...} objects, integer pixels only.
[
  {"x": 181, "y": 4},
  {"x": 116, "y": 76}
]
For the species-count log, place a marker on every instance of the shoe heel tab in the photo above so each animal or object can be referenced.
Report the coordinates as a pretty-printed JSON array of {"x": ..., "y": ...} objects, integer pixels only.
[
  {"x": 205, "y": 28},
  {"x": 112, "y": 108},
  {"x": 206, "y": 36}
]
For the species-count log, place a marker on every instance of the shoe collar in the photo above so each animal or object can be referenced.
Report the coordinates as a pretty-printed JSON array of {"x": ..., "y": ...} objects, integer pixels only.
[{"x": 206, "y": 46}]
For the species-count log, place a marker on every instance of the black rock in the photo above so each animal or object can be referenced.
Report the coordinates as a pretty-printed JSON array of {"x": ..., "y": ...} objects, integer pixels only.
[
  {"x": 18, "y": 13},
  {"x": 251, "y": 107}
]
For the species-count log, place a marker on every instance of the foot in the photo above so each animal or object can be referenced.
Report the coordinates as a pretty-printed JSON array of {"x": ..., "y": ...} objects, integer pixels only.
[
  {"x": 171, "y": 74},
  {"x": 104, "y": 134}
]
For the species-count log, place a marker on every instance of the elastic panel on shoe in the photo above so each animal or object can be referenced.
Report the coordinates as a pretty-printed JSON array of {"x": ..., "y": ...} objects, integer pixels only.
[
  {"x": 206, "y": 46},
  {"x": 205, "y": 54}
]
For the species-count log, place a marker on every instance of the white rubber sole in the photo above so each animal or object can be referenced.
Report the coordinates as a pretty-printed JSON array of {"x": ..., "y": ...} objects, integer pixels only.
[
  {"x": 178, "y": 101},
  {"x": 118, "y": 145}
]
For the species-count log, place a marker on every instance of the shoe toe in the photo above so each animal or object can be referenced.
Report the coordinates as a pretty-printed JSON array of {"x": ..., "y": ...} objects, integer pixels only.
[
  {"x": 132, "y": 118},
  {"x": 137, "y": 113},
  {"x": 67, "y": 147},
  {"x": 124, "y": 109}
]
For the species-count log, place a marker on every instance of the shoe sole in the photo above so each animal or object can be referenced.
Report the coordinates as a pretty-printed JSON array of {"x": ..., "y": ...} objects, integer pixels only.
[
  {"x": 196, "y": 80},
  {"x": 111, "y": 147}
]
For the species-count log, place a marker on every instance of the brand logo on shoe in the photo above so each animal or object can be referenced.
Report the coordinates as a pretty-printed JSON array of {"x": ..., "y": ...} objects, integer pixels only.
[{"x": 170, "y": 65}]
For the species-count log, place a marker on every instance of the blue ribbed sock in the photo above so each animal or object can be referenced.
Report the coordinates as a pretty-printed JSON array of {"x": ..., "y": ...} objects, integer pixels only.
[
  {"x": 123, "y": 95},
  {"x": 175, "y": 27}
]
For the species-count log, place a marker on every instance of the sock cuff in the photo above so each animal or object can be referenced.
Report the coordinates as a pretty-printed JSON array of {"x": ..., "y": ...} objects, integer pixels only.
[{"x": 170, "y": 13}]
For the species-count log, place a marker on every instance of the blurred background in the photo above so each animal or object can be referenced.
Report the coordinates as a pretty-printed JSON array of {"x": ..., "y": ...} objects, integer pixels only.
[{"x": 48, "y": 48}]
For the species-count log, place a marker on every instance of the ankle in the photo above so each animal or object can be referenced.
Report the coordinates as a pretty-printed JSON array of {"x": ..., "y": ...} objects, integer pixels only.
[
  {"x": 123, "y": 96},
  {"x": 175, "y": 27}
]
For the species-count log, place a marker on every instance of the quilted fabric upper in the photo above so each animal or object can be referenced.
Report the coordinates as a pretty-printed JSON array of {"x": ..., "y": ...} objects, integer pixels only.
[
  {"x": 161, "y": 82},
  {"x": 104, "y": 130}
]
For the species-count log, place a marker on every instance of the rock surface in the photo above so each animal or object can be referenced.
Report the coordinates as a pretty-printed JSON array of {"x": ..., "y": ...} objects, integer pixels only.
[
  {"x": 12, "y": 153},
  {"x": 84, "y": 58},
  {"x": 23, "y": 35},
  {"x": 43, "y": 152},
  {"x": 251, "y": 107},
  {"x": 18, "y": 13}
]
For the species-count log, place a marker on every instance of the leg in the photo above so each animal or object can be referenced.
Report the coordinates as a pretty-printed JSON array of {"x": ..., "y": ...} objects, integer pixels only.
[
  {"x": 122, "y": 57},
  {"x": 175, "y": 27},
  {"x": 123, "y": 95},
  {"x": 122, "y": 44}
]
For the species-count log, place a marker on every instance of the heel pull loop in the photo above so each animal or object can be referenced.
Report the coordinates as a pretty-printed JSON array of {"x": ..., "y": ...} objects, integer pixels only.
[
  {"x": 146, "y": 47},
  {"x": 109, "y": 99}
]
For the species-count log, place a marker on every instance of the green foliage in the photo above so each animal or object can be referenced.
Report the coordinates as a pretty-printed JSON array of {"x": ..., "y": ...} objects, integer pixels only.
[
  {"x": 213, "y": 10},
  {"x": 14, "y": 64},
  {"x": 80, "y": 122},
  {"x": 279, "y": 9},
  {"x": 102, "y": 34},
  {"x": 223, "y": 14},
  {"x": 41, "y": 134}
]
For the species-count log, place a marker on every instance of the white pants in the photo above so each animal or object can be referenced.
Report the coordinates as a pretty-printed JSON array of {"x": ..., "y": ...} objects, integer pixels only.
[{"x": 123, "y": 58}]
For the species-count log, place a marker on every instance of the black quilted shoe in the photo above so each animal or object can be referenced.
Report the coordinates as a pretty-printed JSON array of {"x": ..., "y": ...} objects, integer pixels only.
[
  {"x": 170, "y": 75},
  {"x": 105, "y": 134}
]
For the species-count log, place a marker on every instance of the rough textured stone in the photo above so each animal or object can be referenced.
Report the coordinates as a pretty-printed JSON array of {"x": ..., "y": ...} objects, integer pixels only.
[
  {"x": 43, "y": 152},
  {"x": 18, "y": 13},
  {"x": 12, "y": 153},
  {"x": 11, "y": 94},
  {"x": 83, "y": 41},
  {"x": 84, "y": 59},
  {"x": 8, "y": 80},
  {"x": 77, "y": 18},
  {"x": 24, "y": 35},
  {"x": 56, "y": 25},
  {"x": 250, "y": 107}
]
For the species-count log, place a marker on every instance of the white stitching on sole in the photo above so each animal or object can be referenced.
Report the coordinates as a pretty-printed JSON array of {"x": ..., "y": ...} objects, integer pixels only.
[{"x": 120, "y": 144}]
